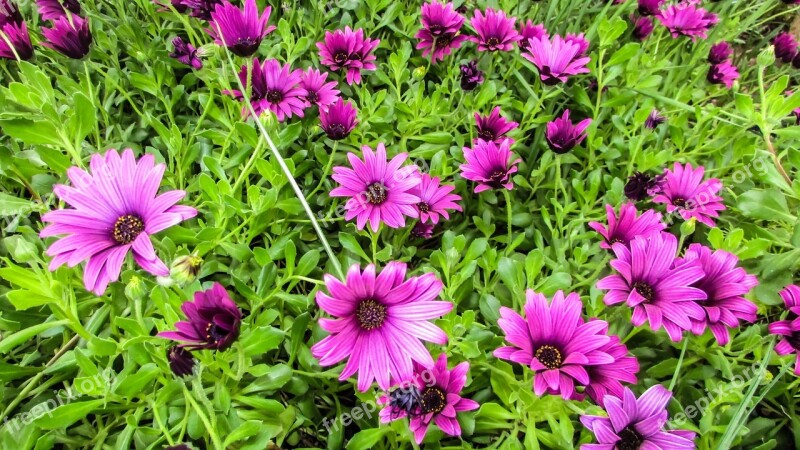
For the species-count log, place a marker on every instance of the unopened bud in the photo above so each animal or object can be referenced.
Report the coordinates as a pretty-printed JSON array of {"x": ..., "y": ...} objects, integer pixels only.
[
  {"x": 185, "y": 268},
  {"x": 767, "y": 57},
  {"x": 419, "y": 72},
  {"x": 135, "y": 289}
]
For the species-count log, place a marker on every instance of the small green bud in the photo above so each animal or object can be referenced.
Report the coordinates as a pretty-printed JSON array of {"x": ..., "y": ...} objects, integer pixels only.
[
  {"x": 135, "y": 289},
  {"x": 185, "y": 268},
  {"x": 687, "y": 228},
  {"x": 767, "y": 57},
  {"x": 419, "y": 72}
]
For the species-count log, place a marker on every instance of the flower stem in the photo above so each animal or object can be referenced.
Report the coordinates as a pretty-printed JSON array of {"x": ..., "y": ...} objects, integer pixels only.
[
  {"x": 202, "y": 415},
  {"x": 680, "y": 363},
  {"x": 509, "y": 216},
  {"x": 327, "y": 169}
]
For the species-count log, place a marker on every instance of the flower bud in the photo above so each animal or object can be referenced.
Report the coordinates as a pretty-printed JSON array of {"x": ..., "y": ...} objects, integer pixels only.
[
  {"x": 767, "y": 57},
  {"x": 687, "y": 228},
  {"x": 135, "y": 289},
  {"x": 419, "y": 72},
  {"x": 180, "y": 360},
  {"x": 185, "y": 268}
]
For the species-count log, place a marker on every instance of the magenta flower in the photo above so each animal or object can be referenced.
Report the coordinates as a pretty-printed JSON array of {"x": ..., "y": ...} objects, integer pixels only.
[
  {"x": 9, "y": 13},
  {"x": 556, "y": 60},
  {"x": 471, "y": 77},
  {"x": 687, "y": 19},
  {"x": 649, "y": 281},
  {"x": 347, "y": 49},
  {"x": 579, "y": 40},
  {"x": 654, "y": 119},
  {"x": 789, "y": 328},
  {"x": 562, "y": 135},
  {"x": 490, "y": 165},
  {"x": 339, "y": 119},
  {"x": 53, "y": 9},
  {"x": 378, "y": 192},
  {"x": 181, "y": 361},
  {"x": 274, "y": 88},
  {"x": 435, "y": 199},
  {"x": 17, "y": 42},
  {"x": 69, "y": 36},
  {"x": 607, "y": 379},
  {"x": 785, "y": 46},
  {"x": 628, "y": 225},
  {"x": 641, "y": 186},
  {"x": 186, "y": 53},
  {"x": 494, "y": 127},
  {"x": 423, "y": 230},
  {"x": 240, "y": 30},
  {"x": 725, "y": 286},
  {"x": 435, "y": 394},
  {"x": 554, "y": 341},
  {"x": 720, "y": 52},
  {"x": 439, "y": 34},
  {"x": 115, "y": 209},
  {"x": 637, "y": 423},
  {"x": 642, "y": 27},
  {"x": 529, "y": 31},
  {"x": 202, "y": 9},
  {"x": 683, "y": 190},
  {"x": 380, "y": 322},
  {"x": 724, "y": 73},
  {"x": 214, "y": 321},
  {"x": 496, "y": 32},
  {"x": 649, "y": 7},
  {"x": 318, "y": 92}
]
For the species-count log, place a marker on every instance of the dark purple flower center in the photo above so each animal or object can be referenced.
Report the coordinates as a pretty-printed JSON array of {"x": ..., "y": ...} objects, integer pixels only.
[
  {"x": 444, "y": 40},
  {"x": 436, "y": 30},
  {"x": 376, "y": 193},
  {"x": 493, "y": 42},
  {"x": 629, "y": 439},
  {"x": 337, "y": 131},
  {"x": 486, "y": 134},
  {"x": 433, "y": 400},
  {"x": 679, "y": 202},
  {"x": 340, "y": 57},
  {"x": 423, "y": 207},
  {"x": 645, "y": 290},
  {"x": 215, "y": 334},
  {"x": 245, "y": 46},
  {"x": 794, "y": 340},
  {"x": 616, "y": 240},
  {"x": 127, "y": 228},
  {"x": 638, "y": 185},
  {"x": 549, "y": 356},
  {"x": 274, "y": 96},
  {"x": 312, "y": 97},
  {"x": 370, "y": 314},
  {"x": 497, "y": 177}
]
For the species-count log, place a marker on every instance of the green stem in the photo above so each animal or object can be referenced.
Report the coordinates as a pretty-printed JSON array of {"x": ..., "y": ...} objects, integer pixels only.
[
  {"x": 509, "y": 217},
  {"x": 211, "y": 431},
  {"x": 327, "y": 169},
  {"x": 680, "y": 363}
]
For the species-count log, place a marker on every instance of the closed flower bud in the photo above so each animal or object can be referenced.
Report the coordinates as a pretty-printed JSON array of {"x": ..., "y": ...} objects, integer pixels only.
[
  {"x": 180, "y": 360},
  {"x": 185, "y": 268},
  {"x": 135, "y": 289},
  {"x": 767, "y": 57},
  {"x": 419, "y": 72}
]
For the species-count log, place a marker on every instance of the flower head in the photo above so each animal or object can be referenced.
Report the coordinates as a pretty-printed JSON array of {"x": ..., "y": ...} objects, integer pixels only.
[
  {"x": 380, "y": 320},
  {"x": 654, "y": 119},
  {"x": 529, "y": 31},
  {"x": 723, "y": 73},
  {"x": 431, "y": 395},
  {"x": 186, "y": 53},
  {"x": 628, "y": 225},
  {"x": 440, "y": 32},
  {"x": 435, "y": 199},
  {"x": 214, "y": 321},
  {"x": 649, "y": 281},
  {"x": 115, "y": 209},
  {"x": 275, "y": 88},
  {"x": 9, "y": 13},
  {"x": 562, "y": 135},
  {"x": 471, "y": 77},
  {"x": 423, "y": 230},
  {"x": 641, "y": 186},
  {"x": 683, "y": 190},
  {"x": 789, "y": 328},
  {"x": 720, "y": 52},
  {"x": 18, "y": 41},
  {"x": 555, "y": 341},
  {"x": 318, "y": 92},
  {"x": 339, "y": 119},
  {"x": 642, "y": 27},
  {"x": 241, "y": 30},
  {"x": 69, "y": 36},
  {"x": 496, "y": 32},
  {"x": 607, "y": 379},
  {"x": 579, "y": 40},
  {"x": 201, "y": 9},
  {"x": 53, "y": 9},
  {"x": 349, "y": 50},
  {"x": 494, "y": 127},
  {"x": 785, "y": 46},
  {"x": 556, "y": 59},
  {"x": 378, "y": 191},
  {"x": 649, "y": 7},
  {"x": 687, "y": 19},
  {"x": 490, "y": 165},
  {"x": 180, "y": 361}
]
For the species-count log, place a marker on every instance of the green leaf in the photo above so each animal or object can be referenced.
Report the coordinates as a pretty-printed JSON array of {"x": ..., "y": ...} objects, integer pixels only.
[
  {"x": 14, "y": 206},
  {"x": 10, "y": 342},
  {"x": 84, "y": 117},
  {"x": 65, "y": 415},
  {"x": 365, "y": 439},
  {"x": 350, "y": 243},
  {"x": 243, "y": 431},
  {"x": 32, "y": 132},
  {"x": 767, "y": 204}
]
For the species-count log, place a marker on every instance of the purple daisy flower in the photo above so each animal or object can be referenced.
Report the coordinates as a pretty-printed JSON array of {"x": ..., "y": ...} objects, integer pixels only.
[
  {"x": 471, "y": 77},
  {"x": 562, "y": 135},
  {"x": 423, "y": 230},
  {"x": 637, "y": 423},
  {"x": 554, "y": 341},
  {"x": 529, "y": 31},
  {"x": 496, "y": 32},
  {"x": 318, "y": 92},
  {"x": 683, "y": 190},
  {"x": 439, "y": 35},
  {"x": 275, "y": 88},
  {"x": 641, "y": 186},
  {"x": 648, "y": 281},
  {"x": 435, "y": 199},
  {"x": 380, "y": 322},
  {"x": 339, "y": 119},
  {"x": 785, "y": 46},
  {"x": 642, "y": 27},
  {"x": 494, "y": 127},
  {"x": 490, "y": 165},
  {"x": 186, "y": 53},
  {"x": 649, "y": 7},
  {"x": 723, "y": 73},
  {"x": 17, "y": 42},
  {"x": 725, "y": 286},
  {"x": 628, "y": 225},
  {"x": 214, "y": 321},
  {"x": 437, "y": 396},
  {"x": 606, "y": 379},
  {"x": 579, "y": 40},
  {"x": 720, "y": 52},
  {"x": 115, "y": 209},
  {"x": 789, "y": 328},
  {"x": 654, "y": 119},
  {"x": 347, "y": 49},
  {"x": 687, "y": 19},
  {"x": 378, "y": 192},
  {"x": 69, "y": 36},
  {"x": 9, "y": 13},
  {"x": 556, "y": 59},
  {"x": 202, "y": 9},
  {"x": 53, "y": 9},
  {"x": 240, "y": 30}
]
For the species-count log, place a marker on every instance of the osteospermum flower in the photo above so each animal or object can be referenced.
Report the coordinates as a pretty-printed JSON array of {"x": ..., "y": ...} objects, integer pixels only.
[
  {"x": 719, "y": 52},
  {"x": 115, "y": 209},
  {"x": 423, "y": 230},
  {"x": 607, "y": 379},
  {"x": 785, "y": 46},
  {"x": 637, "y": 423},
  {"x": 213, "y": 323},
  {"x": 496, "y": 32},
  {"x": 433, "y": 396},
  {"x": 379, "y": 323},
  {"x": 556, "y": 59},
  {"x": 378, "y": 192},
  {"x": 554, "y": 341},
  {"x": 435, "y": 199},
  {"x": 687, "y": 19},
  {"x": 683, "y": 190},
  {"x": 53, "y": 9},
  {"x": 241, "y": 30},
  {"x": 318, "y": 92},
  {"x": 9, "y": 12},
  {"x": 202, "y": 9},
  {"x": 648, "y": 281},
  {"x": 69, "y": 36},
  {"x": 628, "y": 225},
  {"x": 338, "y": 120},
  {"x": 789, "y": 329},
  {"x": 641, "y": 186},
  {"x": 181, "y": 361},
  {"x": 494, "y": 127},
  {"x": 642, "y": 27},
  {"x": 490, "y": 165},
  {"x": 529, "y": 30},
  {"x": 186, "y": 53},
  {"x": 17, "y": 42},
  {"x": 348, "y": 50},
  {"x": 649, "y": 7},
  {"x": 654, "y": 119},
  {"x": 723, "y": 73},
  {"x": 579, "y": 40},
  {"x": 275, "y": 88},
  {"x": 440, "y": 33},
  {"x": 725, "y": 286},
  {"x": 471, "y": 77},
  {"x": 562, "y": 135}
]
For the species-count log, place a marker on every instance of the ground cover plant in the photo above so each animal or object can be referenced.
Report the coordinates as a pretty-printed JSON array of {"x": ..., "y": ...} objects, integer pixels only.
[{"x": 374, "y": 224}]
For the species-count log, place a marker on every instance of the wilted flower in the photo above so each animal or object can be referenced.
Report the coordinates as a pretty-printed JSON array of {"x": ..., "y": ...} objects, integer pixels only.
[
  {"x": 69, "y": 36},
  {"x": 494, "y": 127},
  {"x": 422, "y": 230},
  {"x": 687, "y": 19},
  {"x": 562, "y": 135},
  {"x": 649, "y": 7},
  {"x": 53, "y": 9},
  {"x": 214, "y": 321},
  {"x": 490, "y": 165},
  {"x": 496, "y": 32},
  {"x": 348, "y": 49},
  {"x": 471, "y": 77},
  {"x": 440, "y": 30},
  {"x": 186, "y": 53},
  {"x": 339, "y": 119},
  {"x": 240, "y": 30},
  {"x": 556, "y": 60},
  {"x": 654, "y": 119},
  {"x": 202, "y": 9},
  {"x": 785, "y": 47},
  {"x": 720, "y": 52},
  {"x": 723, "y": 73},
  {"x": 640, "y": 186},
  {"x": 180, "y": 360},
  {"x": 275, "y": 88}
]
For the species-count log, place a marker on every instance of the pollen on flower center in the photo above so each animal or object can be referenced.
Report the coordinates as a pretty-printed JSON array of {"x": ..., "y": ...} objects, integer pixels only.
[
  {"x": 376, "y": 193},
  {"x": 645, "y": 290},
  {"x": 213, "y": 333},
  {"x": 629, "y": 439},
  {"x": 312, "y": 97},
  {"x": 423, "y": 207},
  {"x": 340, "y": 57},
  {"x": 679, "y": 202},
  {"x": 549, "y": 356},
  {"x": 337, "y": 131},
  {"x": 370, "y": 314},
  {"x": 433, "y": 400},
  {"x": 486, "y": 135},
  {"x": 274, "y": 96},
  {"x": 127, "y": 228},
  {"x": 493, "y": 42},
  {"x": 498, "y": 175}
]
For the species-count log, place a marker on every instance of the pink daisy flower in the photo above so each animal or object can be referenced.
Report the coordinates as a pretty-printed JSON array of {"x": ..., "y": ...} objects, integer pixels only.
[
  {"x": 241, "y": 30},
  {"x": 318, "y": 92},
  {"x": 607, "y": 379},
  {"x": 628, "y": 225},
  {"x": 687, "y": 19},
  {"x": 789, "y": 328},
  {"x": 562, "y": 135},
  {"x": 338, "y": 120},
  {"x": 529, "y": 30},
  {"x": 683, "y": 190},
  {"x": 722, "y": 73},
  {"x": 556, "y": 59},
  {"x": 440, "y": 35},
  {"x": 490, "y": 165},
  {"x": 275, "y": 88},
  {"x": 493, "y": 127},
  {"x": 349, "y": 50},
  {"x": 435, "y": 199},
  {"x": 496, "y": 32}
]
